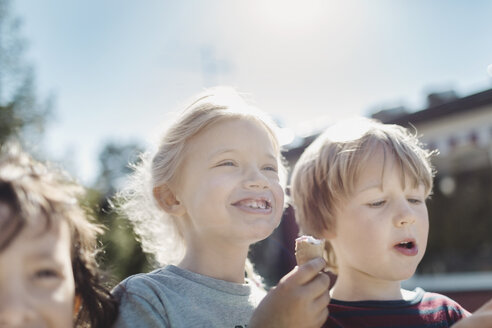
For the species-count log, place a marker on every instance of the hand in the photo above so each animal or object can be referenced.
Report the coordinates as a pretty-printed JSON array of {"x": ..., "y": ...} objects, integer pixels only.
[
  {"x": 480, "y": 318},
  {"x": 299, "y": 300}
]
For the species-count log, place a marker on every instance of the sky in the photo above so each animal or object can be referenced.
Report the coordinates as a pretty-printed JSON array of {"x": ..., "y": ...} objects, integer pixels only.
[{"x": 119, "y": 68}]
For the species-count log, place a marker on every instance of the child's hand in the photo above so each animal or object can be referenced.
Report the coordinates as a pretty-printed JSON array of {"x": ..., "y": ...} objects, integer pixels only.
[
  {"x": 300, "y": 299},
  {"x": 480, "y": 318}
]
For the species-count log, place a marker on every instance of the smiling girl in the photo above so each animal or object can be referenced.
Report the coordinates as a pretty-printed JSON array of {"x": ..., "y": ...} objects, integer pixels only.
[{"x": 213, "y": 188}]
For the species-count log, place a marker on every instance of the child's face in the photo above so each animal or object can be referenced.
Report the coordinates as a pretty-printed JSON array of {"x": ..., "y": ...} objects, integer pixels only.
[
  {"x": 36, "y": 279},
  {"x": 229, "y": 184},
  {"x": 381, "y": 233}
]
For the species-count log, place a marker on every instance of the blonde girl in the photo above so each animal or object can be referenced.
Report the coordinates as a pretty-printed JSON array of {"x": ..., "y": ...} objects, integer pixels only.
[{"x": 212, "y": 188}]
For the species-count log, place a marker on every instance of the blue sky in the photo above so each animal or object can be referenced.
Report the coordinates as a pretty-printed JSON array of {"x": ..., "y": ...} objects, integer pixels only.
[{"x": 118, "y": 68}]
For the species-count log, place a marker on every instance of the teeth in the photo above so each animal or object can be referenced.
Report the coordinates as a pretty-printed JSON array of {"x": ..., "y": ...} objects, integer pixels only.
[
  {"x": 407, "y": 244},
  {"x": 261, "y": 204}
]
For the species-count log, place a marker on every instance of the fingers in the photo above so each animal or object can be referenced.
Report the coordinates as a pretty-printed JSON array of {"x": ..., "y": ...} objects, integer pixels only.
[
  {"x": 307, "y": 271},
  {"x": 322, "y": 301},
  {"x": 319, "y": 285},
  {"x": 486, "y": 307}
]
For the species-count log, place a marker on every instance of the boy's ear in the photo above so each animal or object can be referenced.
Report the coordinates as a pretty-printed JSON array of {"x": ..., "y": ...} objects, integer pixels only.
[
  {"x": 328, "y": 234},
  {"x": 167, "y": 200}
]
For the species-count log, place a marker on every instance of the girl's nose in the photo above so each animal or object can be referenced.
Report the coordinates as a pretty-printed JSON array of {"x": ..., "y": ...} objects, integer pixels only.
[
  {"x": 17, "y": 308},
  {"x": 255, "y": 180},
  {"x": 16, "y": 313}
]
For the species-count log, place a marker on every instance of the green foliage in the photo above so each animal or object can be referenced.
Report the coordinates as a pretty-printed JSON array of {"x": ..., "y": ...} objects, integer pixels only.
[
  {"x": 22, "y": 115},
  {"x": 122, "y": 255}
]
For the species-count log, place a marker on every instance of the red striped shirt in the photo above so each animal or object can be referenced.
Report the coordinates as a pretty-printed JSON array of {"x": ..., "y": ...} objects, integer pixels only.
[{"x": 425, "y": 310}]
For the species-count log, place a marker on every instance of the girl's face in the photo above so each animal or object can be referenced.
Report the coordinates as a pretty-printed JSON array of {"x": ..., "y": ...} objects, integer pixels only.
[
  {"x": 229, "y": 184},
  {"x": 36, "y": 278}
]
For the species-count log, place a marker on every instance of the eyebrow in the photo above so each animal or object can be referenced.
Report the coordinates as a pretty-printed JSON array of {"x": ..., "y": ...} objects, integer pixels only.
[
  {"x": 377, "y": 185},
  {"x": 231, "y": 150}
]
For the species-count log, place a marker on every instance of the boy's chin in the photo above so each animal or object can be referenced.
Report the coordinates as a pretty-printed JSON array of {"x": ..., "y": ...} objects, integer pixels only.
[{"x": 407, "y": 275}]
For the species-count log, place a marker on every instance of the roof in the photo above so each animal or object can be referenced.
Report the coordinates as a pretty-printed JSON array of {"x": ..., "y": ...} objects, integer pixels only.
[{"x": 469, "y": 103}]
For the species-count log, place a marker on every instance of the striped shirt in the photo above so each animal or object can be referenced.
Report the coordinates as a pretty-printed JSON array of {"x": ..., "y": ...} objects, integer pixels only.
[{"x": 424, "y": 310}]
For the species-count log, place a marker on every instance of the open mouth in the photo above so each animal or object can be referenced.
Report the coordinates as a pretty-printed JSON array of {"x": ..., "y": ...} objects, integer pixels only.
[
  {"x": 262, "y": 204},
  {"x": 406, "y": 244},
  {"x": 407, "y": 247}
]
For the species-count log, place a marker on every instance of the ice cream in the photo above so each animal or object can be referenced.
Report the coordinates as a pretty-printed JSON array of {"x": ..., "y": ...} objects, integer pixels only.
[{"x": 307, "y": 248}]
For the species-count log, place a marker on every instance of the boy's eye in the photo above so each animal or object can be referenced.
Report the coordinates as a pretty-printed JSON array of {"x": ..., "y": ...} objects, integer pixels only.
[
  {"x": 414, "y": 201},
  {"x": 377, "y": 204}
]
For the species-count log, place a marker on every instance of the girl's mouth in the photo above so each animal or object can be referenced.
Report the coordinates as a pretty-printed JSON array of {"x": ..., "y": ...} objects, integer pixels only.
[{"x": 254, "y": 205}]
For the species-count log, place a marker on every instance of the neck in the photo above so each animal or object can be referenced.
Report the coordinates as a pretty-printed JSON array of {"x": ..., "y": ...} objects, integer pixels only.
[
  {"x": 225, "y": 262},
  {"x": 357, "y": 286}
]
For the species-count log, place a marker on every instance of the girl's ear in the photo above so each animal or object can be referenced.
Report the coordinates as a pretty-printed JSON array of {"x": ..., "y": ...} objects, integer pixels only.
[
  {"x": 167, "y": 200},
  {"x": 77, "y": 302}
]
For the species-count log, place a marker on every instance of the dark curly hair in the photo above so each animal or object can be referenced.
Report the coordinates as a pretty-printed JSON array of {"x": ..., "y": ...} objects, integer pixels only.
[{"x": 31, "y": 188}]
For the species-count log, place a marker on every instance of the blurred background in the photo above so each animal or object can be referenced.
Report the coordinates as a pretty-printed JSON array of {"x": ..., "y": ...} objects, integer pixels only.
[{"x": 91, "y": 84}]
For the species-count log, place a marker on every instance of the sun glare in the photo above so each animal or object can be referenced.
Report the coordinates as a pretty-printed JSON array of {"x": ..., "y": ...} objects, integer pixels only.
[{"x": 292, "y": 15}]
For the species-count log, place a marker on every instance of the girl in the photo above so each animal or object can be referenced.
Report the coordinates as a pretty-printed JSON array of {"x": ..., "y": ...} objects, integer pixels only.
[
  {"x": 48, "y": 273},
  {"x": 213, "y": 188}
]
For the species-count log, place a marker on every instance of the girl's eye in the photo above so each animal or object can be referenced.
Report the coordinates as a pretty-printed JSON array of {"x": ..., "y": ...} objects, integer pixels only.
[
  {"x": 270, "y": 168},
  {"x": 46, "y": 274},
  {"x": 227, "y": 163},
  {"x": 414, "y": 201},
  {"x": 377, "y": 204}
]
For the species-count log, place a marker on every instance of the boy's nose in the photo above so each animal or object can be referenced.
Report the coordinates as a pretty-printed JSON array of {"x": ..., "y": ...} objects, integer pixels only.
[{"x": 404, "y": 217}]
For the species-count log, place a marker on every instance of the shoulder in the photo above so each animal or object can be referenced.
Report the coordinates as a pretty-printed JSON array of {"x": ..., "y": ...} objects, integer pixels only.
[
  {"x": 145, "y": 284},
  {"x": 141, "y": 299},
  {"x": 441, "y": 302}
]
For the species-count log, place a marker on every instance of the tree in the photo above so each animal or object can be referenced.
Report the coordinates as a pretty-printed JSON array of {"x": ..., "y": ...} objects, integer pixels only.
[
  {"x": 122, "y": 255},
  {"x": 22, "y": 115}
]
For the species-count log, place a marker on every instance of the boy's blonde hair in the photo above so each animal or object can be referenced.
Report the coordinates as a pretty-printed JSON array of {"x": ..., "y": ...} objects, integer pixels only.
[
  {"x": 158, "y": 231},
  {"x": 326, "y": 173},
  {"x": 36, "y": 191}
]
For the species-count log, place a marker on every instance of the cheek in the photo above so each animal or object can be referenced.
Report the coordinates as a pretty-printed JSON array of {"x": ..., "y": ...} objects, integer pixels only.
[
  {"x": 359, "y": 230},
  {"x": 278, "y": 193}
]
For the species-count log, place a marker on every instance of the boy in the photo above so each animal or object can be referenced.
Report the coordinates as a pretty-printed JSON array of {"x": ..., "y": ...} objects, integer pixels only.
[{"x": 362, "y": 186}]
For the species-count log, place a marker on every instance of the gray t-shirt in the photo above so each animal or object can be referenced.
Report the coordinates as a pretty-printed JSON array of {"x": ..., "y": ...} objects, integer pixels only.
[{"x": 173, "y": 297}]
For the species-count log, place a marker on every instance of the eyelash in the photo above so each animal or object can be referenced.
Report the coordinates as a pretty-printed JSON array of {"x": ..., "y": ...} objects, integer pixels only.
[
  {"x": 270, "y": 168},
  {"x": 377, "y": 204},
  {"x": 227, "y": 163},
  {"x": 413, "y": 201},
  {"x": 231, "y": 163},
  {"x": 46, "y": 274}
]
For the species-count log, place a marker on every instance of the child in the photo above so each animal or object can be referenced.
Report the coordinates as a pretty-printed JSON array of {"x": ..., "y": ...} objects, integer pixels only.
[
  {"x": 48, "y": 274},
  {"x": 213, "y": 188},
  {"x": 362, "y": 186}
]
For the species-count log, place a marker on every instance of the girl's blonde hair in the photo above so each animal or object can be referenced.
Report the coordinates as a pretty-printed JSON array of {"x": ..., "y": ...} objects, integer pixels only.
[
  {"x": 326, "y": 173},
  {"x": 157, "y": 231}
]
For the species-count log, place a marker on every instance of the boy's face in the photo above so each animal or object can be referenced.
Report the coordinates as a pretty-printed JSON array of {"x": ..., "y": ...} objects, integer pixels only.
[
  {"x": 229, "y": 184},
  {"x": 381, "y": 231},
  {"x": 36, "y": 279}
]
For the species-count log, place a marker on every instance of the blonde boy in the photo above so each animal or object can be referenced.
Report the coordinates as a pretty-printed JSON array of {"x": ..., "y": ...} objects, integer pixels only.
[{"x": 362, "y": 186}]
